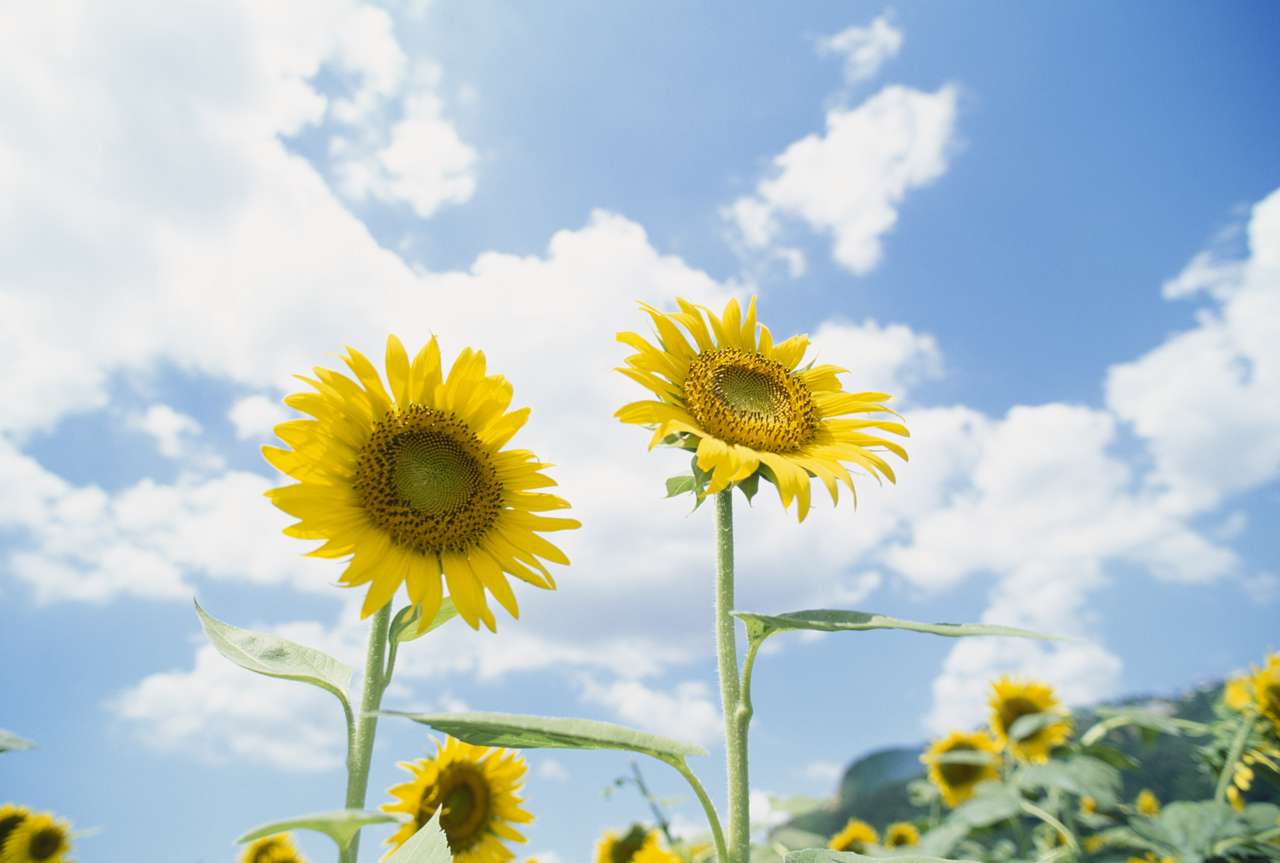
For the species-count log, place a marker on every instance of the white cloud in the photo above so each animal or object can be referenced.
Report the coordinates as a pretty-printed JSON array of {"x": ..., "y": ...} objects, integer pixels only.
[
  {"x": 220, "y": 711},
  {"x": 78, "y": 542},
  {"x": 170, "y": 429},
  {"x": 685, "y": 713},
  {"x": 824, "y": 772},
  {"x": 116, "y": 256},
  {"x": 865, "y": 49},
  {"x": 549, "y": 768},
  {"x": 889, "y": 359},
  {"x": 850, "y": 181},
  {"x": 1207, "y": 401},
  {"x": 424, "y": 163},
  {"x": 257, "y": 416}
]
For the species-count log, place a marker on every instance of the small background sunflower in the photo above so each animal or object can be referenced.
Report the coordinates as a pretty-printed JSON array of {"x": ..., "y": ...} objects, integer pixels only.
[{"x": 476, "y": 788}]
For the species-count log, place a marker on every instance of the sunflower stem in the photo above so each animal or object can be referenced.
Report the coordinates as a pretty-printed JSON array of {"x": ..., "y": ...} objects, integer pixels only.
[
  {"x": 717, "y": 834},
  {"x": 360, "y": 748},
  {"x": 736, "y": 714},
  {"x": 1233, "y": 755}
]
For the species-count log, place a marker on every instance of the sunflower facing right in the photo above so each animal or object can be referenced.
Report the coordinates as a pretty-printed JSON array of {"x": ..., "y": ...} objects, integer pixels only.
[{"x": 745, "y": 406}]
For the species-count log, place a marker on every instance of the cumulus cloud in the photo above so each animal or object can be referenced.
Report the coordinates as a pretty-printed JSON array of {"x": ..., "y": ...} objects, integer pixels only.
[
  {"x": 688, "y": 712},
  {"x": 850, "y": 181},
  {"x": 1207, "y": 401},
  {"x": 865, "y": 49},
  {"x": 81, "y": 543},
  {"x": 249, "y": 269},
  {"x": 256, "y": 416},
  {"x": 219, "y": 711}
]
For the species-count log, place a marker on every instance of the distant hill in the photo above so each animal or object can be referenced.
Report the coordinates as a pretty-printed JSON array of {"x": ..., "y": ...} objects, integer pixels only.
[{"x": 874, "y": 788}]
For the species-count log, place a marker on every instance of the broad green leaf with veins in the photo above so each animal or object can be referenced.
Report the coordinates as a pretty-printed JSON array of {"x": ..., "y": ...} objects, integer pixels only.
[{"x": 275, "y": 656}]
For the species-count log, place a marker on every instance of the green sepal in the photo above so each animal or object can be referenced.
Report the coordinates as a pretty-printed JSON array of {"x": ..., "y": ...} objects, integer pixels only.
[
  {"x": 340, "y": 825},
  {"x": 10, "y": 742},
  {"x": 428, "y": 844},
  {"x": 826, "y": 855},
  {"x": 750, "y": 486},
  {"x": 679, "y": 484},
  {"x": 404, "y": 627},
  {"x": 548, "y": 732},
  {"x": 276, "y": 657},
  {"x": 761, "y": 626}
]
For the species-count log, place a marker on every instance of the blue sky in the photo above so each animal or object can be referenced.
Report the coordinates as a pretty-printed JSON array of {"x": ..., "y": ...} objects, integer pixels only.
[{"x": 1052, "y": 230}]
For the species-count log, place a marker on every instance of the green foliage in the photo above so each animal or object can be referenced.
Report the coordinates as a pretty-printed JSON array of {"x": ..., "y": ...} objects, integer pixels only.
[
  {"x": 10, "y": 742},
  {"x": 547, "y": 732},
  {"x": 404, "y": 627},
  {"x": 427, "y": 845},
  {"x": 826, "y": 855},
  {"x": 341, "y": 826},
  {"x": 1195, "y": 831},
  {"x": 761, "y": 626},
  {"x": 276, "y": 657}
]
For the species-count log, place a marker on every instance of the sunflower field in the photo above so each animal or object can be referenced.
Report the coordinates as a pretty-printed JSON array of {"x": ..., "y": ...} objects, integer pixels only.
[{"x": 407, "y": 475}]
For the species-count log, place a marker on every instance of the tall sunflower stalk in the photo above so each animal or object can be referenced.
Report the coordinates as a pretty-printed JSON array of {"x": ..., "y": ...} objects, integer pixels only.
[{"x": 747, "y": 409}]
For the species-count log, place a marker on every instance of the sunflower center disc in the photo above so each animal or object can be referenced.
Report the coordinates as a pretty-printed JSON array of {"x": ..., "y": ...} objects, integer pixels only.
[
  {"x": 426, "y": 479},
  {"x": 463, "y": 798},
  {"x": 45, "y": 844},
  {"x": 1014, "y": 709},
  {"x": 434, "y": 473},
  {"x": 958, "y": 775},
  {"x": 745, "y": 398}
]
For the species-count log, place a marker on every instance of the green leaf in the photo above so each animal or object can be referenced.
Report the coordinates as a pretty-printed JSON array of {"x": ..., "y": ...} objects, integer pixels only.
[
  {"x": 968, "y": 756},
  {"x": 1112, "y": 756},
  {"x": 549, "y": 732},
  {"x": 993, "y": 802},
  {"x": 405, "y": 625},
  {"x": 826, "y": 855},
  {"x": 679, "y": 484},
  {"x": 793, "y": 839},
  {"x": 340, "y": 825},
  {"x": 427, "y": 845},
  {"x": 1027, "y": 725},
  {"x": 1147, "y": 720},
  {"x": 761, "y": 626},
  {"x": 10, "y": 742},
  {"x": 1081, "y": 775},
  {"x": 276, "y": 657},
  {"x": 750, "y": 486}
]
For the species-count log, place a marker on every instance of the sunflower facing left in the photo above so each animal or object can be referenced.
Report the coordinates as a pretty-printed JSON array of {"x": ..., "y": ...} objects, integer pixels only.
[{"x": 412, "y": 482}]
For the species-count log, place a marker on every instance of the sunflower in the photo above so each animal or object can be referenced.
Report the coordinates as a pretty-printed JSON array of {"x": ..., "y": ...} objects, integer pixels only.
[
  {"x": 743, "y": 405},
  {"x": 273, "y": 849},
  {"x": 476, "y": 786},
  {"x": 38, "y": 838},
  {"x": 956, "y": 779},
  {"x": 1266, "y": 690},
  {"x": 855, "y": 836},
  {"x": 1010, "y": 701},
  {"x": 412, "y": 481},
  {"x": 637, "y": 845},
  {"x": 11, "y": 816},
  {"x": 1147, "y": 804},
  {"x": 901, "y": 834}
]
